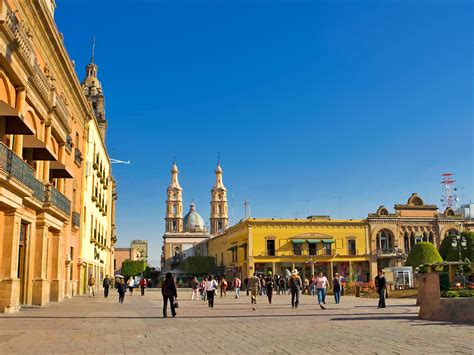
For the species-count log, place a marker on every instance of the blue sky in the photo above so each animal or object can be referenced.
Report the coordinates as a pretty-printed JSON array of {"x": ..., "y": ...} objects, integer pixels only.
[{"x": 306, "y": 101}]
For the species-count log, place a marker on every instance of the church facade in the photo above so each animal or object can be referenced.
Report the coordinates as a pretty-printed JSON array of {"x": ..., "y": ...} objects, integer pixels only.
[{"x": 186, "y": 236}]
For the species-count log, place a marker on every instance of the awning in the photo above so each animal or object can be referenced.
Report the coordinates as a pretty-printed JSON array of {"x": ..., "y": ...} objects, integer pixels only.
[
  {"x": 58, "y": 170},
  {"x": 243, "y": 245},
  {"x": 15, "y": 124},
  {"x": 40, "y": 150},
  {"x": 232, "y": 248},
  {"x": 328, "y": 241},
  {"x": 298, "y": 241},
  {"x": 313, "y": 241}
]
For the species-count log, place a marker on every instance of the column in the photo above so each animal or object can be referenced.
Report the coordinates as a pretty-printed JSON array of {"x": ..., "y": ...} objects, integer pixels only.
[
  {"x": 47, "y": 138},
  {"x": 41, "y": 286},
  {"x": 273, "y": 269},
  {"x": 330, "y": 271},
  {"x": 20, "y": 106},
  {"x": 57, "y": 262},
  {"x": 251, "y": 265},
  {"x": 10, "y": 284}
]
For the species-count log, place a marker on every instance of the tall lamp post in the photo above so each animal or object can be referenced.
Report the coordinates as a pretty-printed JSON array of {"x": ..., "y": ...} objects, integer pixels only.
[{"x": 460, "y": 243}]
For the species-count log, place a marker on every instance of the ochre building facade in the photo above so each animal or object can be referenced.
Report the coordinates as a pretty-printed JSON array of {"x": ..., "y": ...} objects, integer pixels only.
[{"x": 44, "y": 118}]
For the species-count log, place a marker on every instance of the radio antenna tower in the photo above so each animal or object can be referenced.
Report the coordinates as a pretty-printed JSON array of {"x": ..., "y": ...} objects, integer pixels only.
[{"x": 449, "y": 196}]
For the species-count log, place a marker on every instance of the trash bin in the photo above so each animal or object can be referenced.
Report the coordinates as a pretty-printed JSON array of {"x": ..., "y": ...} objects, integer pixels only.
[{"x": 357, "y": 291}]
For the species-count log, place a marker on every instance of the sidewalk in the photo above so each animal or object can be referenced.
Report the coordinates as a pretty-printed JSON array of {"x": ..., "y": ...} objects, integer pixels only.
[{"x": 98, "y": 325}]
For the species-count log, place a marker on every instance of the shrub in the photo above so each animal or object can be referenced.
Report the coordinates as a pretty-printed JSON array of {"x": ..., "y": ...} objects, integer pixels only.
[
  {"x": 133, "y": 267},
  {"x": 450, "y": 253},
  {"x": 465, "y": 293},
  {"x": 423, "y": 253},
  {"x": 198, "y": 265}
]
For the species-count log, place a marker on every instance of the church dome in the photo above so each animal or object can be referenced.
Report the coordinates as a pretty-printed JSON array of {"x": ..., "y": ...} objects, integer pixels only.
[{"x": 193, "y": 222}]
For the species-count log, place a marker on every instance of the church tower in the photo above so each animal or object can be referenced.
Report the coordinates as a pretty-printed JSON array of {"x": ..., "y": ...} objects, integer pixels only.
[
  {"x": 174, "y": 204},
  {"x": 219, "y": 213},
  {"x": 93, "y": 91}
]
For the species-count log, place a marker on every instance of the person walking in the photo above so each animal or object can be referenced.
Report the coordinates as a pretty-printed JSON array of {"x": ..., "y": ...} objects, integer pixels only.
[
  {"x": 306, "y": 286},
  {"x": 223, "y": 286},
  {"x": 336, "y": 287},
  {"x": 282, "y": 286},
  {"x": 121, "y": 289},
  {"x": 296, "y": 285},
  {"x": 106, "y": 285},
  {"x": 321, "y": 283},
  {"x": 254, "y": 285},
  {"x": 130, "y": 284},
  {"x": 202, "y": 289},
  {"x": 195, "y": 289},
  {"x": 381, "y": 284},
  {"x": 170, "y": 294},
  {"x": 91, "y": 286},
  {"x": 236, "y": 284},
  {"x": 269, "y": 285},
  {"x": 246, "y": 284},
  {"x": 143, "y": 285},
  {"x": 211, "y": 286}
]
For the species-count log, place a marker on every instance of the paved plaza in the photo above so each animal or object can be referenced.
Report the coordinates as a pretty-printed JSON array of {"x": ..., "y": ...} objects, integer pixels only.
[{"x": 98, "y": 325}]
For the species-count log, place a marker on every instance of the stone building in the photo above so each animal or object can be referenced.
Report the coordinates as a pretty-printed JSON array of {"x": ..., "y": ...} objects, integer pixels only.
[
  {"x": 184, "y": 237},
  {"x": 392, "y": 235},
  {"x": 44, "y": 117},
  {"x": 99, "y": 194}
]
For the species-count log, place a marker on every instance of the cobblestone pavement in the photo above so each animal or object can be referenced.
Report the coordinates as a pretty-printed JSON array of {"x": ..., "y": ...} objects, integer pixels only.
[{"x": 98, "y": 325}]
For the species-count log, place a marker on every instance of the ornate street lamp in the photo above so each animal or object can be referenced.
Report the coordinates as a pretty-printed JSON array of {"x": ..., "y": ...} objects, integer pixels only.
[{"x": 460, "y": 243}]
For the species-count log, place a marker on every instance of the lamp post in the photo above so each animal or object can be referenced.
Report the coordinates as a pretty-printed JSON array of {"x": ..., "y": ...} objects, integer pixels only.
[
  {"x": 311, "y": 264},
  {"x": 460, "y": 243}
]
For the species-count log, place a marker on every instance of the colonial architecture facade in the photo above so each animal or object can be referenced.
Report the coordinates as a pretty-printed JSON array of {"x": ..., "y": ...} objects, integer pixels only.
[
  {"x": 184, "y": 235},
  {"x": 356, "y": 249},
  {"x": 392, "y": 235},
  {"x": 44, "y": 120},
  {"x": 315, "y": 244}
]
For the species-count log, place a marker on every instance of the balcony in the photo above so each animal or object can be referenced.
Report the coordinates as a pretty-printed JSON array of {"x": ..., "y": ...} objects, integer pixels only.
[
  {"x": 58, "y": 200},
  {"x": 386, "y": 251},
  {"x": 77, "y": 157},
  {"x": 76, "y": 219},
  {"x": 21, "y": 171}
]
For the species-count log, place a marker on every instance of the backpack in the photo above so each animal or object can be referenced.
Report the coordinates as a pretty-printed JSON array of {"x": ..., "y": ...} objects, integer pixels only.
[{"x": 337, "y": 282}]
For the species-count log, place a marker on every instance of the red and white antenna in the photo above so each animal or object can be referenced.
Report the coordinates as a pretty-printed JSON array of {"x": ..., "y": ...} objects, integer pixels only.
[{"x": 449, "y": 196}]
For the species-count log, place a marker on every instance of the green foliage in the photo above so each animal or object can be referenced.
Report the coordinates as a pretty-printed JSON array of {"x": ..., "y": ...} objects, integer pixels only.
[
  {"x": 450, "y": 253},
  {"x": 457, "y": 293},
  {"x": 444, "y": 283},
  {"x": 198, "y": 265},
  {"x": 423, "y": 253},
  {"x": 133, "y": 267}
]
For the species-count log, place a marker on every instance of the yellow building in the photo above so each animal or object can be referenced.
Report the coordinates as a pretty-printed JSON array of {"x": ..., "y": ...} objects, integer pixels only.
[
  {"x": 97, "y": 242},
  {"x": 280, "y": 245}
]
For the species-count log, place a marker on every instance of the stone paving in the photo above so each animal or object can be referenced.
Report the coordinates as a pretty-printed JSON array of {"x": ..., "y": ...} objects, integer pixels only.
[{"x": 97, "y": 325}]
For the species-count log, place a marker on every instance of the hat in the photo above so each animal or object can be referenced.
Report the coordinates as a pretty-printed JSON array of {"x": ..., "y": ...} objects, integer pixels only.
[
  {"x": 294, "y": 272},
  {"x": 269, "y": 273}
]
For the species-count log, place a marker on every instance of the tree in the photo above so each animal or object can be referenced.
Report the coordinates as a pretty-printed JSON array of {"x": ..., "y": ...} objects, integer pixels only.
[
  {"x": 133, "y": 267},
  {"x": 450, "y": 253},
  {"x": 198, "y": 265},
  {"x": 423, "y": 253}
]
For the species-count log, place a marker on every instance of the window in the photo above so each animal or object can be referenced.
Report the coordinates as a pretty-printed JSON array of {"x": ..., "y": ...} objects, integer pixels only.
[
  {"x": 312, "y": 248},
  {"x": 174, "y": 209},
  {"x": 327, "y": 248},
  {"x": 297, "y": 248},
  {"x": 270, "y": 247},
  {"x": 174, "y": 226},
  {"x": 351, "y": 244}
]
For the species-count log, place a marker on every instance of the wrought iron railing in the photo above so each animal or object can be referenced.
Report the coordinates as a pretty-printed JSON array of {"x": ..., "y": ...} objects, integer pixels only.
[
  {"x": 21, "y": 171},
  {"x": 76, "y": 219},
  {"x": 77, "y": 156},
  {"x": 58, "y": 200}
]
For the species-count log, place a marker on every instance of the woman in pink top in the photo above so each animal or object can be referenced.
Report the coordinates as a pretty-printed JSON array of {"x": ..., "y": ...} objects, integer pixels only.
[{"x": 321, "y": 283}]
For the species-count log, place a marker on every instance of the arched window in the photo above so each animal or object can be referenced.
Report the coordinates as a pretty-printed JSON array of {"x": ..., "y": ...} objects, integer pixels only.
[
  {"x": 451, "y": 231},
  {"x": 425, "y": 236},
  {"x": 385, "y": 241},
  {"x": 174, "y": 227},
  {"x": 412, "y": 239},
  {"x": 406, "y": 242},
  {"x": 431, "y": 238}
]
